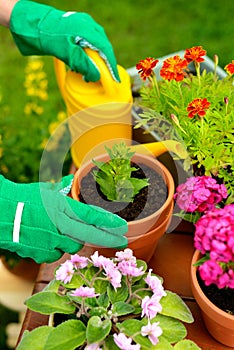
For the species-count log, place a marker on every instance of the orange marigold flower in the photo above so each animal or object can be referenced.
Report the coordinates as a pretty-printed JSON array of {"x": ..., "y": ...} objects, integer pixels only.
[
  {"x": 230, "y": 68},
  {"x": 145, "y": 67},
  {"x": 173, "y": 68},
  {"x": 198, "y": 107},
  {"x": 195, "y": 54}
]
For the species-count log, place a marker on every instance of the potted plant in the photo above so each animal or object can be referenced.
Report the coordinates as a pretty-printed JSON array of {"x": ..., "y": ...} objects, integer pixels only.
[
  {"x": 136, "y": 187},
  {"x": 195, "y": 108},
  {"x": 202, "y": 200},
  {"x": 102, "y": 303}
]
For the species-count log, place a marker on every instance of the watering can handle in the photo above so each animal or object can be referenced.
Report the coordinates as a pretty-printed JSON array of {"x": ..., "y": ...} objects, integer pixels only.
[{"x": 109, "y": 85}]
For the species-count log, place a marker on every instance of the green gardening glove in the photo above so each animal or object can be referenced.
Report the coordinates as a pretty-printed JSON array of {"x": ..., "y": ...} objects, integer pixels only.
[
  {"x": 43, "y": 30},
  {"x": 39, "y": 221}
]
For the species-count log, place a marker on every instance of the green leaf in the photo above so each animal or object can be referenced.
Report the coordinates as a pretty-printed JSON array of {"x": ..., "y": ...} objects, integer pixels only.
[
  {"x": 100, "y": 286},
  {"x": 186, "y": 345},
  {"x": 174, "y": 306},
  {"x": 163, "y": 344},
  {"x": 35, "y": 339},
  {"x": 120, "y": 294},
  {"x": 110, "y": 344},
  {"x": 103, "y": 300},
  {"x": 67, "y": 336},
  {"x": 53, "y": 286},
  {"x": 75, "y": 282},
  {"x": 173, "y": 330},
  {"x": 120, "y": 308},
  {"x": 97, "y": 330},
  {"x": 50, "y": 302}
]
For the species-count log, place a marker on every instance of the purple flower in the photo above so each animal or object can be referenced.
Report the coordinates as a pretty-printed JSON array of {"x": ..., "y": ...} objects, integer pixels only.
[
  {"x": 150, "y": 306},
  {"x": 84, "y": 292},
  {"x": 78, "y": 261},
  {"x": 153, "y": 331},
  {"x": 155, "y": 284},
  {"x": 65, "y": 272},
  {"x": 129, "y": 268},
  {"x": 125, "y": 343}
]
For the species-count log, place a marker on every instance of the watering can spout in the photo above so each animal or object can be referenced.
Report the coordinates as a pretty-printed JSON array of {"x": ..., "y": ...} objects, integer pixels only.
[{"x": 160, "y": 147}]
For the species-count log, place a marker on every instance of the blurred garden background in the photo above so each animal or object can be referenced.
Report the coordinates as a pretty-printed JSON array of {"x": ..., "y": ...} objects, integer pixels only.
[{"x": 30, "y": 103}]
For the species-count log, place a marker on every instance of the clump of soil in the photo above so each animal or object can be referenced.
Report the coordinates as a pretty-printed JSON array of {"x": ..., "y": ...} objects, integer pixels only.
[
  {"x": 146, "y": 202},
  {"x": 222, "y": 298}
]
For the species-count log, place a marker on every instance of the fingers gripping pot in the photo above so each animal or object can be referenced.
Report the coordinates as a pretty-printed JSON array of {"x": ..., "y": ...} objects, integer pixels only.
[{"x": 98, "y": 113}]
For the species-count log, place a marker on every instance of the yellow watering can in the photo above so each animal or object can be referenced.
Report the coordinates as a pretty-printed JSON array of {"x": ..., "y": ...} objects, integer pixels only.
[{"x": 100, "y": 113}]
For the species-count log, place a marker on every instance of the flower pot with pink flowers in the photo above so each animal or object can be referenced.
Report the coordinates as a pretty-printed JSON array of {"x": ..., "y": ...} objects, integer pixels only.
[
  {"x": 108, "y": 304},
  {"x": 203, "y": 201}
]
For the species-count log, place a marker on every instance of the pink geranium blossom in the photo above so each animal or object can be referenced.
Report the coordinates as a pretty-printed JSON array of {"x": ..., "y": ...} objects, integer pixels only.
[
  {"x": 214, "y": 236},
  {"x": 199, "y": 193}
]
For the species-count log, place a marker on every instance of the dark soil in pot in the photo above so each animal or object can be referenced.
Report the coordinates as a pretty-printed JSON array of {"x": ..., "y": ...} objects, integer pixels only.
[
  {"x": 146, "y": 202},
  {"x": 222, "y": 298}
]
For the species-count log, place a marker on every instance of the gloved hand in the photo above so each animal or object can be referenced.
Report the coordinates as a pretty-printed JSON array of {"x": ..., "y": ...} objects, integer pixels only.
[
  {"x": 39, "y": 221},
  {"x": 39, "y": 29}
]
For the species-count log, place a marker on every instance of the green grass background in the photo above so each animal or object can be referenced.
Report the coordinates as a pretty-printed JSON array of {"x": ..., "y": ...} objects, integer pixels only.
[{"x": 137, "y": 29}]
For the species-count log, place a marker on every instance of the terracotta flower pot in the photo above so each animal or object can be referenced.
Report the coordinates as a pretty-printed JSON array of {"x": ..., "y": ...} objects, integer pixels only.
[
  {"x": 219, "y": 323},
  {"x": 143, "y": 234}
]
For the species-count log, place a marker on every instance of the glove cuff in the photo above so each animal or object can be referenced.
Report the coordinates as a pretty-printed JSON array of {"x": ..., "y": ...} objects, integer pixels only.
[{"x": 24, "y": 26}]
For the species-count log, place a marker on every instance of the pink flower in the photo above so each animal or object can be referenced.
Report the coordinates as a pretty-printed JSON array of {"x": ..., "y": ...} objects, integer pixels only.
[
  {"x": 199, "y": 193},
  {"x": 101, "y": 261},
  {"x": 65, "y": 272},
  {"x": 155, "y": 284},
  {"x": 79, "y": 262},
  {"x": 84, "y": 292},
  {"x": 150, "y": 306},
  {"x": 127, "y": 254},
  {"x": 125, "y": 343},
  {"x": 210, "y": 271},
  {"x": 129, "y": 268},
  {"x": 113, "y": 275},
  {"x": 153, "y": 331}
]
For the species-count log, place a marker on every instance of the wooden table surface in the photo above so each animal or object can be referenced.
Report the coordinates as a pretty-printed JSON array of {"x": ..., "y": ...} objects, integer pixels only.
[{"x": 171, "y": 260}]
